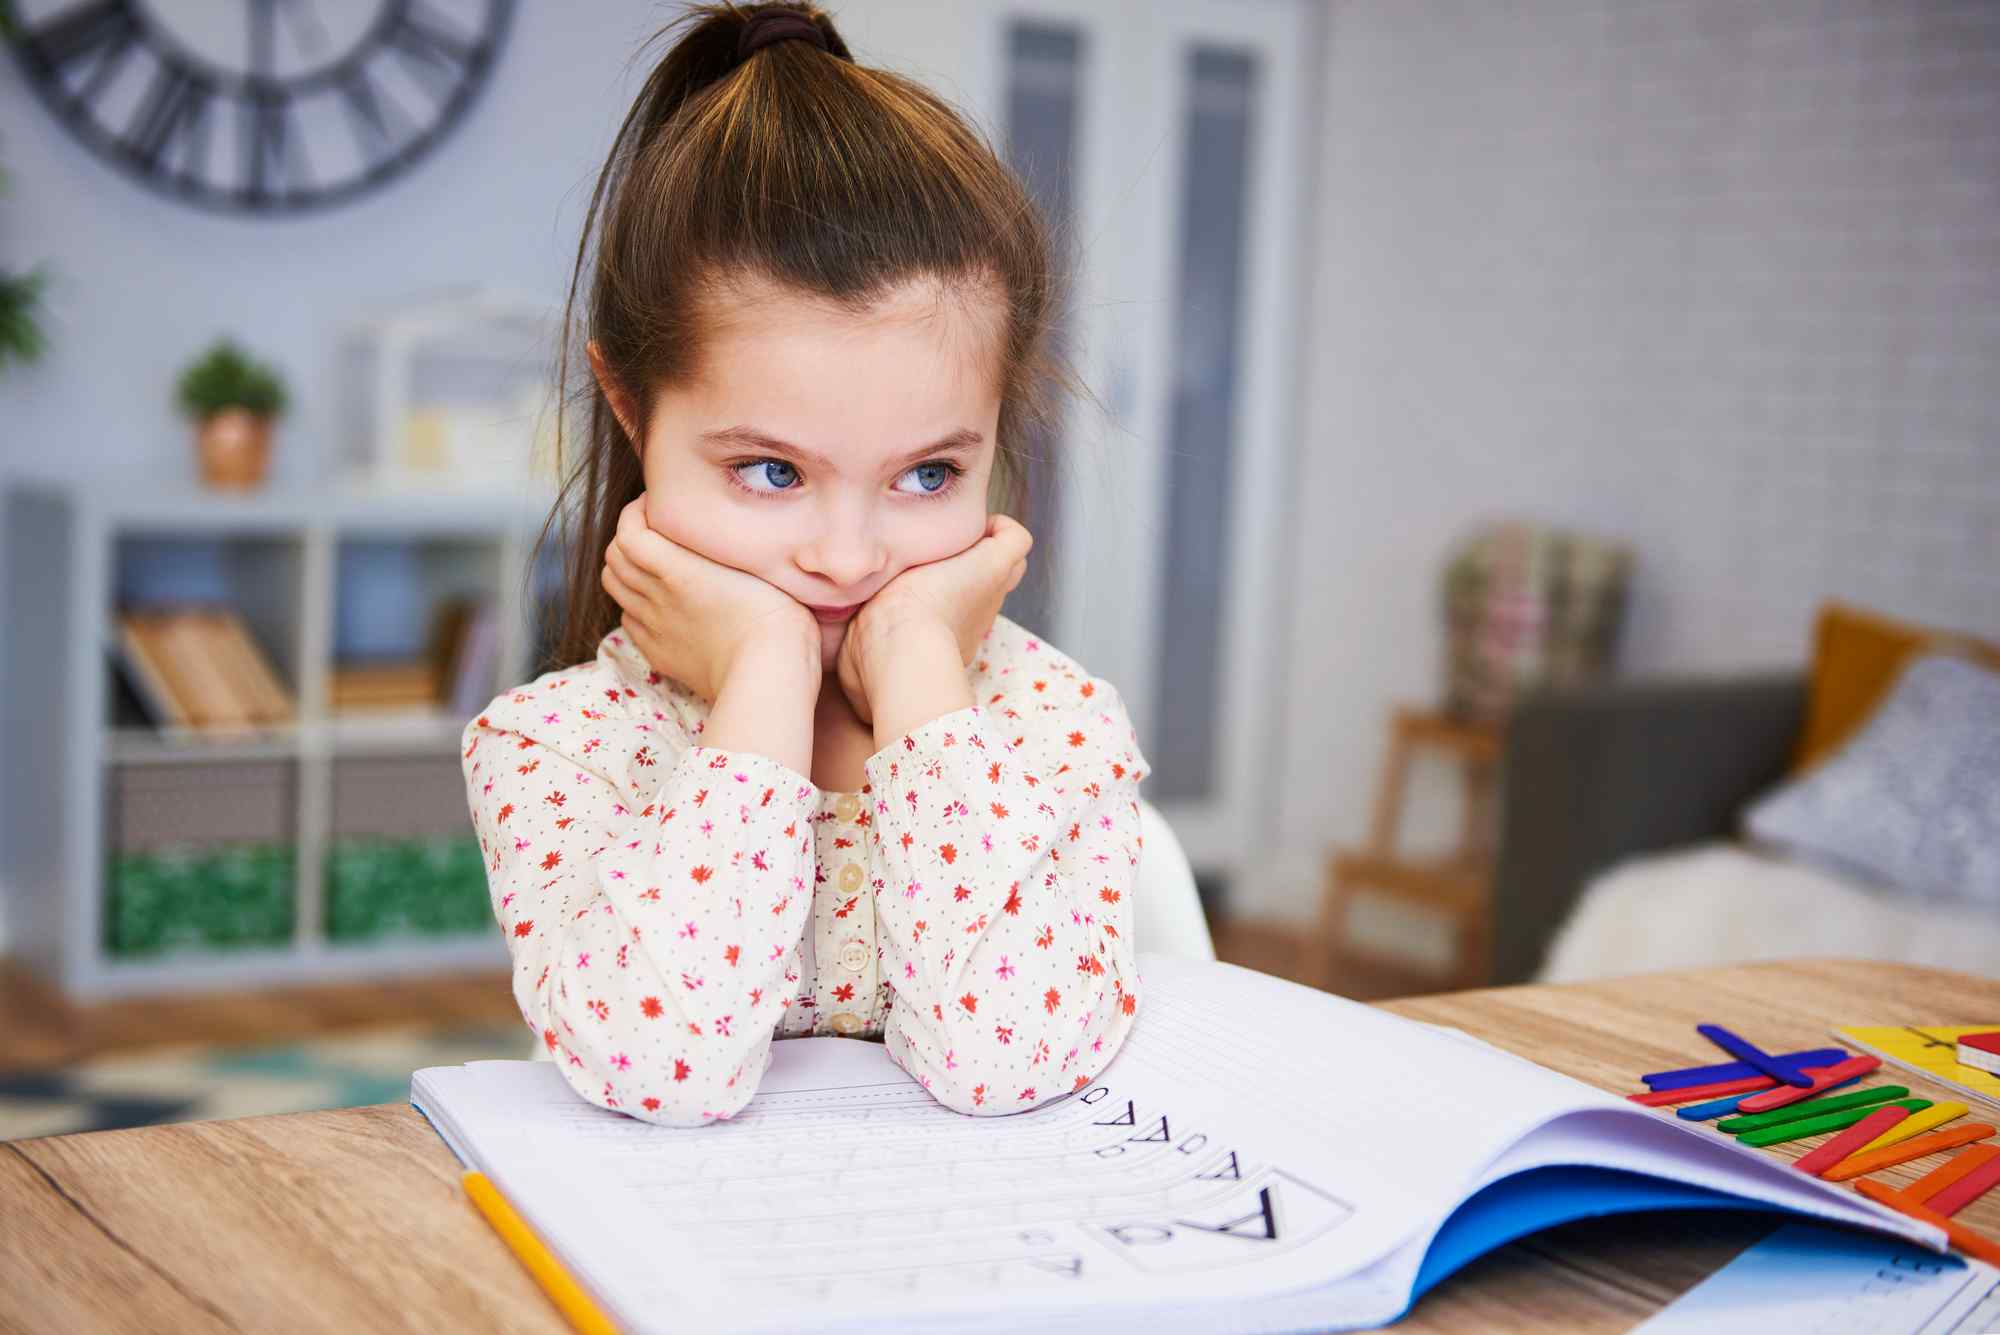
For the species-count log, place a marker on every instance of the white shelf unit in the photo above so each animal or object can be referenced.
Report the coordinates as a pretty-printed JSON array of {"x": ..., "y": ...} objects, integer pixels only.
[{"x": 63, "y": 542}]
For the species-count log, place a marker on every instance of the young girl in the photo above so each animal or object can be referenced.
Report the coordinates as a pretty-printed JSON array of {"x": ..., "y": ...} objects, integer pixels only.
[{"x": 804, "y": 779}]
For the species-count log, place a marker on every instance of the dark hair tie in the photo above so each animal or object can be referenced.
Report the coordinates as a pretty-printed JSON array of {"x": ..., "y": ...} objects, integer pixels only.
[{"x": 776, "y": 26}]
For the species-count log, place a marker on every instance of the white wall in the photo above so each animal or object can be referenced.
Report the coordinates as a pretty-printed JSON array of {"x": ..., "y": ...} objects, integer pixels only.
[{"x": 1723, "y": 279}]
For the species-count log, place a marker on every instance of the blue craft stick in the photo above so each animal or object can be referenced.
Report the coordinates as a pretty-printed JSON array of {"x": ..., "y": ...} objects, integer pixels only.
[
  {"x": 1708, "y": 1075},
  {"x": 1744, "y": 1050},
  {"x": 1701, "y": 1112}
]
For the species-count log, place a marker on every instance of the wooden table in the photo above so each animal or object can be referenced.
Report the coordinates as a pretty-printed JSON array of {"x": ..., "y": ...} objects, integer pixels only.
[{"x": 355, "y": 1220}]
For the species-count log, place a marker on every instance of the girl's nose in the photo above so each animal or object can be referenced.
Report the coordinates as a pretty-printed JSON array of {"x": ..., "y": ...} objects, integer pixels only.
[{"x": 843, "y": 554}]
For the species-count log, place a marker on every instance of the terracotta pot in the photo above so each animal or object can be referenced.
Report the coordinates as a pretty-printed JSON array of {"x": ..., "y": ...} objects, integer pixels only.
[{"x": 234, "y": 447}]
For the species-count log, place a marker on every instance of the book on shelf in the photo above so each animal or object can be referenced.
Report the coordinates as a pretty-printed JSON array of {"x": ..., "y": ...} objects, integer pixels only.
[
  {"x": 382, "y": 687},
  {"x": 200, "y": 668},
  {"x": 1258, "y": 1155}
]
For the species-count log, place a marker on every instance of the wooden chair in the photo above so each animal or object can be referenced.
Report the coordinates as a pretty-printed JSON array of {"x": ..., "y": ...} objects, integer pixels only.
[{"x": 1458, "y": 885}]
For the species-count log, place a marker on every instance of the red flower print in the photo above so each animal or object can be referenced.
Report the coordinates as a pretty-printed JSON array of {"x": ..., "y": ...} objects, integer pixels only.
[
  {"x": 555, "y": 798},
  {"x": 1012, "y": 907},
  {"x": 999, "y": 811},
  {"x": 1089, "y": 964},
  {"x": 845, "y": 992},
  {"x": 549, "y": 1039},
  {"x": 600, "y": 1009},
  {"x": 970, "y": 1001},
  {"x": 948, "y": 852},
  {"x": 993, "y": 770},
  {"x": 701, "y": 874},
  {"x": 525, "y": 927},
  {"x": 1108, "y": 895},
  {"x": 1051, "y": 999},
  {"x": 650, "y": 1007},
  {"x": 552, "y": 861},
  {"x": 1088, "y": 689},
  {"x": 730, "y": 954},
  {"x": 978, "y": 1095},
  {"x": 643, "y": 757},
  {"x": 1046, "y": 937},
  {"x": 1076, "y": 739},
  {"x": 650, "y": 1104},
  {"x": 1027, "y": 1093},
  {"x": 505, "y": 812},
  {"x": 681, "y": 1069},
  {"x": 1128, "y": 1002},
  {"x": 1003, "y": 1033},
  {"x": 959, "y": 894}
]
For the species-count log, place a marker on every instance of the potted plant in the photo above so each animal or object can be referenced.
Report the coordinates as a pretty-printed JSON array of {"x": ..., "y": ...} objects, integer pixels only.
[{"x": 233, "y": 401}]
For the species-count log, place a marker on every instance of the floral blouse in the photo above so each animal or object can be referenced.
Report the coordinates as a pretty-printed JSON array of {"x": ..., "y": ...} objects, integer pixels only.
[{"x": 672, "y": 908}]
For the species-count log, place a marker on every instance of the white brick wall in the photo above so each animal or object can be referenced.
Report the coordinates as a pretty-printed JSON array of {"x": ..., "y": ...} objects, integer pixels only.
[{"x": 1719, "y": 277}]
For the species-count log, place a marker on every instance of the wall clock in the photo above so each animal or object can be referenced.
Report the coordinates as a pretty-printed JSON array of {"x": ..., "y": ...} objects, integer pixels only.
[{"x": 260, "y": 106}]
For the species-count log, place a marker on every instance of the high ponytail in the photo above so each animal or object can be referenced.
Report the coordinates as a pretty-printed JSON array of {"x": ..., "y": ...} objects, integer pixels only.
[{"x": 795, "y": 164}]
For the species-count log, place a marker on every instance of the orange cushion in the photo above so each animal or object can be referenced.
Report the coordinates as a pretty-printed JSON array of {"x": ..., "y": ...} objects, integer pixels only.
[{"x": 1856, "y": 656}]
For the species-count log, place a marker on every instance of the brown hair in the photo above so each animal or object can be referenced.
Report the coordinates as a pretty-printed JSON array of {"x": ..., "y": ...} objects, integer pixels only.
[{"x": 797, "y": 165}]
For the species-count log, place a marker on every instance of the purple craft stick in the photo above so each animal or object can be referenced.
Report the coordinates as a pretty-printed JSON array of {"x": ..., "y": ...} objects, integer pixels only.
[
  {"x": 1707, "y": 1075},
  {"x": 1744, "y": 1050}
]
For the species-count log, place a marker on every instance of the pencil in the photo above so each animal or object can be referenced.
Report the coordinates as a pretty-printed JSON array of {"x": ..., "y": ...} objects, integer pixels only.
[{"x": 565, "y": 1292}]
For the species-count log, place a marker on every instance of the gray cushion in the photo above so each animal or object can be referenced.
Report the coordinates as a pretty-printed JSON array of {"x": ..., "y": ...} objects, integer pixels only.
[{"x": 1912, "y": 801}]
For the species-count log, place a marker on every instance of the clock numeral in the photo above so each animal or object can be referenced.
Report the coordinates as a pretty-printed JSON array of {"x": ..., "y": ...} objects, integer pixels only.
[
  {"x": 100, "y": 33},
  {"x": 176, "y": 108},
  {"x": 273, "y": 154},
  {"x": 376, "y": 118},
  {"x": 430, "y": 52}
]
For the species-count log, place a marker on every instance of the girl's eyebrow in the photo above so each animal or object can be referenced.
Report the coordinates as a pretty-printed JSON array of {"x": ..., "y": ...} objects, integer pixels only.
[{"x": 749, "y": 437}]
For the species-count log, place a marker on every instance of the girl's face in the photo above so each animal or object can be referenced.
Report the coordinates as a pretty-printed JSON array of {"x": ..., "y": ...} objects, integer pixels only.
[{"x": 827, "y": 452}]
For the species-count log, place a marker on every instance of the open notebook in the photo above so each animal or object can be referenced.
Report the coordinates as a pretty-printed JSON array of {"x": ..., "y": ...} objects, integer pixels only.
[{"x": 1259, "y": 1156}]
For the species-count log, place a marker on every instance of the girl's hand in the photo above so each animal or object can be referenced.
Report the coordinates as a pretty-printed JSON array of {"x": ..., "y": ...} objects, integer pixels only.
[
  {"x": 690, "y": 616},
  {"x": 959, "y": 596}
]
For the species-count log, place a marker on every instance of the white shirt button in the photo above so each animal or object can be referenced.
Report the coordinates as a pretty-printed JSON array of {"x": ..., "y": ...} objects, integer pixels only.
[
  {"x": 850, "y": 878},
  {"x": 847, "y": 806},
  {"x": 845, "y": 1022},
  {"x": 854, "y": 956}
]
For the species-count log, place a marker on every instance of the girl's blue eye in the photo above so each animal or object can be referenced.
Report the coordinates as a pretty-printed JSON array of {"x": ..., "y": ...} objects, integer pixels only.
[{"x": 933, "y": 479}]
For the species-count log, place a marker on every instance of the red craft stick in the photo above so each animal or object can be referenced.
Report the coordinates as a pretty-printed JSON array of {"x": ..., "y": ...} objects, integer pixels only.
[
  {"x": 1664, "y": 1098},
  {"x": 1850, "y": 1140},
  {"x": 1822, "y": 1077},
  {"x": 1967, "y": 1189},
  {"x": 1961, "y": 1237}
]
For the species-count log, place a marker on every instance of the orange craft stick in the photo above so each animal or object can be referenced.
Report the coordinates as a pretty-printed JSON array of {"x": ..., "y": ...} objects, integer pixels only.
[
  {"x": 1854, "y": 1165},
  {"x": 1957, "y": 1166},
  {"x": 1966, "y": 1240}
]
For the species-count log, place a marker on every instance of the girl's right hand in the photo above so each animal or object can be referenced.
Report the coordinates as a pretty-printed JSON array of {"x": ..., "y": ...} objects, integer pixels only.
[{"x": 692, "y": 617}]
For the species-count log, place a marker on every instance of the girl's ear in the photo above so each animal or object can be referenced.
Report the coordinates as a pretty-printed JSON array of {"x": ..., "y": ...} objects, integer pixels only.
[{"x": 621, "y": 402}]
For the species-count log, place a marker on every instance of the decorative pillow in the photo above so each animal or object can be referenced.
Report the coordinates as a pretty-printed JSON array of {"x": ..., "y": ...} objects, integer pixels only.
[
  {"x": 1856, "y": 655},
  {"x": 1913, "y": 801}
]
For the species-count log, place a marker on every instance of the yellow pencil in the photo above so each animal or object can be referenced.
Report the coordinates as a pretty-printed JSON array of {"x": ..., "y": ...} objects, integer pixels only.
[
  {"x": 1924, "y": 1119},
  {"x": 567, "y": 1294}
]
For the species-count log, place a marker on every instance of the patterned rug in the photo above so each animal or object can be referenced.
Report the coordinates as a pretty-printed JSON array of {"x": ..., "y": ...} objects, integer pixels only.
[{"x": 202, "y": 1081}]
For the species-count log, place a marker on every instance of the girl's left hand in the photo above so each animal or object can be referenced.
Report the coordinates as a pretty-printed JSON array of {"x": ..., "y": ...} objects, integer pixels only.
[{"x": 960, "y": 595}]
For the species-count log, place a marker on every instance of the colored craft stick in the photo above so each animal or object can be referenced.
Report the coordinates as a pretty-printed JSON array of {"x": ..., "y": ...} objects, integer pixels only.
[
  {"x": 1854, "y": 1165},
  {"x": 1930, "y": 1119},
  {"x": 1708, "y": 1075},
  {"x": 1744, "y": 1050},
  {"x": 1813, "y": 1126},
  {"x": 1840, "y": 1073},
  {"x": 1966, "y": 1240},
  {"x": 1701, "y": 1112},
  {"x": 1967, "y": 1189},
  {"x": 1817, "y": 1161},
  {"x": 1662, "y": 1098},
  {"x": 1859, "y": 1098},
  {"x": 1950, "y": 1171}
]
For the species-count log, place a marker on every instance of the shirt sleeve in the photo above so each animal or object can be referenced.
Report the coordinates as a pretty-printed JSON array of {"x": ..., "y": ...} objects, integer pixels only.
[
  {"x": 654, "y": 949},
  {"x": 1009, "y": 841}
]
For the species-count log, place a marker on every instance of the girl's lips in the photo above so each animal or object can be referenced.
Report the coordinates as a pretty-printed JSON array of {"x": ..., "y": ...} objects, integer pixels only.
[{"x": 833, "y": 616}]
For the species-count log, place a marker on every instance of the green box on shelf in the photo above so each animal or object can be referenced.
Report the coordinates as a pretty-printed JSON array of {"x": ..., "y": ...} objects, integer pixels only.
[
  {"x": 215, "y": 897},
  {"x": 378, "y": 887}
]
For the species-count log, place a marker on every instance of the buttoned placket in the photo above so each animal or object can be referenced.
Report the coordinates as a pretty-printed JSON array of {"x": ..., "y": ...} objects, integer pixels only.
[{"x": 845, "y": 947}]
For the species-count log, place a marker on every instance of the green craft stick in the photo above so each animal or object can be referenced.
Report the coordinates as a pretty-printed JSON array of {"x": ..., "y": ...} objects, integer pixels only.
[
  {"x": 1860, "y": 1098},
  {"x": 1812, "y": 1126}
]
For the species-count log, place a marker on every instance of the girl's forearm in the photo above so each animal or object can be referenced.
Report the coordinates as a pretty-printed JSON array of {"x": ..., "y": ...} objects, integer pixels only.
[
  {"x": 918, "y": 675},
  {"x": 766, "y": 704}
]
